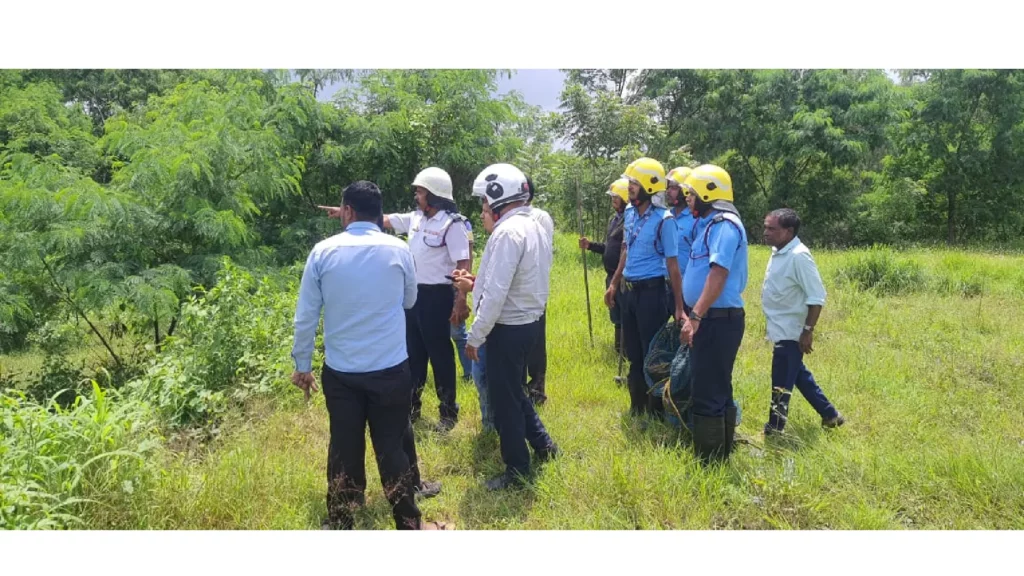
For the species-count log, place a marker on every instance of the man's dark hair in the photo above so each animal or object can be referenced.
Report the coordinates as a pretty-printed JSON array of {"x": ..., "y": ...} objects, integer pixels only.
[
  {"x": 529, "y": 183},
  {"x": 787, "y": 218},
  {"x": 364, "y": 197}
]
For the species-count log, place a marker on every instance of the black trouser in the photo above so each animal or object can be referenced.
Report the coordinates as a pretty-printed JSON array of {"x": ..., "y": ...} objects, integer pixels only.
[
  {"x": 409, "y": 447},
  {"x": 715, "y": 346},
  {"x": 508, "y": 349},
  {"x": 537, "y": 366},
  {"x": 381, "y": 399},
  {"x": 643, "y": 315},
  {"x": 428, "y": 336}
]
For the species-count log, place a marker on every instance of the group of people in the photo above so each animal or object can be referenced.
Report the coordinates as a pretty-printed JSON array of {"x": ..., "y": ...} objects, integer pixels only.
[
  {"x": 392, "y": 308},
  {"x": 675, "y": 247}
]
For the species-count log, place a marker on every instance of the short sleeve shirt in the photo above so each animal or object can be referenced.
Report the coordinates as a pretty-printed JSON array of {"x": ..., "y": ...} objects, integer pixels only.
[{"x": 437, "y": 244}]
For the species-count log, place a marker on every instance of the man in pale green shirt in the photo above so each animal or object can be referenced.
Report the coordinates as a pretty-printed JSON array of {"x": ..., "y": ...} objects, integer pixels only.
[{"x": 791, "y": 298}]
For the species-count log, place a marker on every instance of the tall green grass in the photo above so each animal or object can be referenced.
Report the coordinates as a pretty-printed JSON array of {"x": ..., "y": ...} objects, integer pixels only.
[{"x": 80, "y": 466}]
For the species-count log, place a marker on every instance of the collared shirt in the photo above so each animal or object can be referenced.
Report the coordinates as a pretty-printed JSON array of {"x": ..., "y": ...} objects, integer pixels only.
[
  {"x": 363, "y": 280},
  {"x": 686, "y": 227},
  {"x": 436, "y": 244},
  {"x": 645, "y": 257},
  {"x": 545, "y": 221},
  {"x": 724, "y": 244},
  {"x": 512, "y": 283},
  {"x": 791, "y": 284}
]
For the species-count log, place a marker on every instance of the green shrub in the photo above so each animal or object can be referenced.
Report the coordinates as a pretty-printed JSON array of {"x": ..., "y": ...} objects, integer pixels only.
[
  {"x": 231, "y": 344},
  {"x": 879, "y": 270}
]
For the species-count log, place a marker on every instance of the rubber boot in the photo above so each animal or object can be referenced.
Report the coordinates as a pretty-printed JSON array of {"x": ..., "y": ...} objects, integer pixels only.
[
  {"x": 730, "y": 429},
  {"x": 708, "y": 438},
  {"x": 637, "y": 396}
]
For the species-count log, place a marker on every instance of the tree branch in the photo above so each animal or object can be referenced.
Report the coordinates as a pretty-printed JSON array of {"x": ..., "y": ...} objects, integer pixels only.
[{"x": 66, "y": 296}]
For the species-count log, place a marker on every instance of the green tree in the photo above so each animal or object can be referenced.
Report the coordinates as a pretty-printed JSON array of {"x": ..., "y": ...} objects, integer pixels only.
[{"x": 963, "y": 142}]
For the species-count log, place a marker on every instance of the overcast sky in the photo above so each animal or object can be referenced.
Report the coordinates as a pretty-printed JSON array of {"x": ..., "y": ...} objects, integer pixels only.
[{"x": 538, "y": 87}]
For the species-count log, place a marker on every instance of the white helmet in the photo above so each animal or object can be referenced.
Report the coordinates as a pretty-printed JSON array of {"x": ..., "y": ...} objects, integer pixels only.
[
  {"x": 500, "y": 184},
  {"x": 436, "y": 181}
]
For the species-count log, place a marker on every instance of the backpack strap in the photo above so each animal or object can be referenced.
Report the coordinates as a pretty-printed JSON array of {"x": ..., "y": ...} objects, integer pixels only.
[
  {"x": 444, "y": 233},
  {"x": 657, "y": 236},
  {"x": 723, "y": 217}
]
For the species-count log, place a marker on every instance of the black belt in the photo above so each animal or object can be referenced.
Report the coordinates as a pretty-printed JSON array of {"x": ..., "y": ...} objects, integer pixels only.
[
  {"x": 724, "y": 313},
  {"x": 647, "y": 283}
]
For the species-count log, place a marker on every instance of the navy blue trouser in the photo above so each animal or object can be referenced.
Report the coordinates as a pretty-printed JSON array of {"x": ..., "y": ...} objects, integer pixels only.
[
  {"x": 715, "y": 346},
  {"x": 643, "y": 315},
  {"x": 788, "y": 370},
  {"x": 428, "y": 338},
  {"x": 537, "y": 365},
  {"x": 508, "y": 351}
]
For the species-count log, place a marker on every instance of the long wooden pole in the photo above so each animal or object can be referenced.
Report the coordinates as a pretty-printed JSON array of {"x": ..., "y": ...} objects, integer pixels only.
[{"x": 583, "y": 252}]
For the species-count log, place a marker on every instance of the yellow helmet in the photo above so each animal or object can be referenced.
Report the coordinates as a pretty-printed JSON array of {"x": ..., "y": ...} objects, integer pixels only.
[
  {"x": 649, "y": 173},
  {"x": 678, "y": 175},
  {"x": 710, "y": 183},
  {"x": 620, "y": 188}
]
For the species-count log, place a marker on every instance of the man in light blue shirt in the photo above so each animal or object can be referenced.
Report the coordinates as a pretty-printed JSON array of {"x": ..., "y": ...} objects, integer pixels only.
[
  {"x": 363, "y": 281},
  {"x": 680, "y": 203},
  {"x": 791, "y": 299},
  {"x": 713, "y": 289}
]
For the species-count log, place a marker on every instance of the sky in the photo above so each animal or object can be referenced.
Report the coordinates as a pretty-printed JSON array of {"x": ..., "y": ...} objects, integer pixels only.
[{"x": 538, "y": 87}]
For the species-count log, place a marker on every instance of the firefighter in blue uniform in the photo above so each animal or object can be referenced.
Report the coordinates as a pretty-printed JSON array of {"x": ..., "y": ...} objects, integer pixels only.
[
  {"x": 678, "y": 199},
  {"x": 716, "y": 275},
  {"x": 649, "y": 250}
]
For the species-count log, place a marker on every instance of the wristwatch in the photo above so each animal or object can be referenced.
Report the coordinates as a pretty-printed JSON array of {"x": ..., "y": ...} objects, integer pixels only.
[
  {"x": 808, "y": 328},
  {"x": 695, "y": 316}
]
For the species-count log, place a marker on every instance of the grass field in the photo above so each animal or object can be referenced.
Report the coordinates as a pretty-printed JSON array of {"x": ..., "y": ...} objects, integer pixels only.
[{"x": 927, "y": 367}]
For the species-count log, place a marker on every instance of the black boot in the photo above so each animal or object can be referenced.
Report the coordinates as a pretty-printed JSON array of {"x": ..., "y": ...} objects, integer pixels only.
[
  {"x": 637, "y": 396},
  {"x": 730, "y": 429},
  {"x": 709, "y": 438}
]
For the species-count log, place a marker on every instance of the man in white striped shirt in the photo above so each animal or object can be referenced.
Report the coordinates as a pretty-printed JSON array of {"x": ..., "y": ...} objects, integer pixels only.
[
  {"x": 537, "y": 367},
  {"x": 792, "y": 297},
  {"x": 511, "y": 291}
]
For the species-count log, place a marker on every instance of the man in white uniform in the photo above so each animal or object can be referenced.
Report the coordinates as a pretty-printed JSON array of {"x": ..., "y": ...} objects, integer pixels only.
[
  {"x": 439, "y": 243},
  {"x": 537, "y": 367}
]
